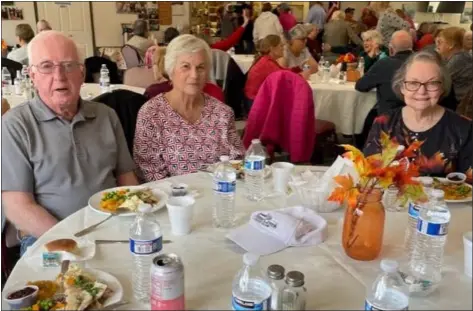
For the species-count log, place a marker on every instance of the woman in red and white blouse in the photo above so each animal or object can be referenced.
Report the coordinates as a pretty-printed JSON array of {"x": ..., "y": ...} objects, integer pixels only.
[{"x": 184, "y": 130}]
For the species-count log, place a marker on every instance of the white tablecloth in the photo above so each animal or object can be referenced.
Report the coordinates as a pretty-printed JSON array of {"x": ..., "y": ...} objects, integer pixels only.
[
  {"x": 244, "y": 61},
  {"x": 87, "y": 91},
  {"x": 342, "y": 105},
  {"x": 333, "y": 280}
]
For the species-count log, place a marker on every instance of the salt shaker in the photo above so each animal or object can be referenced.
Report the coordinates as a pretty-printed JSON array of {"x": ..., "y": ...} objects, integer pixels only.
[
  {"x": 294, "y": 294},
  {"x": 276, "y": 278}
]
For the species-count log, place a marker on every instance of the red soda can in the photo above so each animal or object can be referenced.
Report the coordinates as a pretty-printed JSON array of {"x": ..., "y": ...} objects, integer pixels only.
[{"x": 167, "y": 283}]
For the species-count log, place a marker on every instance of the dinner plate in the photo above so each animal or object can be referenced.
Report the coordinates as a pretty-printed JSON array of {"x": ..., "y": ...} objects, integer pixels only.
[
  {"x": 94, "y": 201},
  {"x": 110, "y": 280},
  {"x": 466, "y": 200}
]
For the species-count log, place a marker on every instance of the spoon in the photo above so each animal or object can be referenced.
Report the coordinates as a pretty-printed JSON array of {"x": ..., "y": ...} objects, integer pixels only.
[{"x": 85, "y": 231}]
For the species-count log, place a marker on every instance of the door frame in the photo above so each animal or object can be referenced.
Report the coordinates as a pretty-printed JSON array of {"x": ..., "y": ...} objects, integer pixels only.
[{"x": 94, "y": 47}]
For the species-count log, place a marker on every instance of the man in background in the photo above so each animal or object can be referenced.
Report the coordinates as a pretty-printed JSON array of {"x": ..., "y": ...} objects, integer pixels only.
[
  {"x": 43, "y": 25},
  {"x": 24, "y": 34}
]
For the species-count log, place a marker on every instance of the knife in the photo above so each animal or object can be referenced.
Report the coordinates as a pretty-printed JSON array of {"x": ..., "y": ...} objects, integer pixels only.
[
  {"x": 115, "y": 305},
  {"x": 122, "y": 241}
]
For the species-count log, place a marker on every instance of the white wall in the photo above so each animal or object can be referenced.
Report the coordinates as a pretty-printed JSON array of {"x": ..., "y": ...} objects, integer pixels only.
[
  {"x": 107, "y": 23},
  {"x": 8, "y": 26}
]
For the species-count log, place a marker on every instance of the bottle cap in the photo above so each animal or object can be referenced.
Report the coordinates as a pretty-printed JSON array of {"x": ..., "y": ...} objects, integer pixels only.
[
  {"x": 224, "y": 158},
  {"x": 437, "y": 193},
  {"x": 295, "y": 279},
  {"x": 276, "y": 272},
  {"x": 388, "y": 265},
  {"x": 144, "y": 208},
  {"x": 250, "y": 259}
]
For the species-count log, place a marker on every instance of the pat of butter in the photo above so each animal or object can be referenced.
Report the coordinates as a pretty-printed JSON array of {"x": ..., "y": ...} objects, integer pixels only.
[{"x": 51, "y": 259}]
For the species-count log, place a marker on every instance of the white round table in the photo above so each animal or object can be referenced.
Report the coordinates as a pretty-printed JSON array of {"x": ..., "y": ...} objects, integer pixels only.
[
  {"x": 88, "y": 91},
  {"x": 333, "y": 280},
  {"x": 244, "y": 61},
  {"x": 341, "y": 104}
]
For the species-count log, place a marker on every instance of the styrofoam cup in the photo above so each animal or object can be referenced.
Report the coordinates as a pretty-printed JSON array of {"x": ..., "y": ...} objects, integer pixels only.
[
  {"x": 281, "y": 174},
  {"x": 468, "y": 254},
  {"x": 180, "y": 211}
]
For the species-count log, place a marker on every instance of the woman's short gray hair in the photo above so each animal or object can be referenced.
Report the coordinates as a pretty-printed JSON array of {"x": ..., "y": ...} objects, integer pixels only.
[
  {"x": 184, "y": 44},
  {"x": 422, "y": 56},
  {"x": 372, "y": 35}
]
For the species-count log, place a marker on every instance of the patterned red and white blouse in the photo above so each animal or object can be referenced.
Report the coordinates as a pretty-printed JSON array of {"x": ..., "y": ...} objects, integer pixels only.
[{"x": 167, "y": 145}]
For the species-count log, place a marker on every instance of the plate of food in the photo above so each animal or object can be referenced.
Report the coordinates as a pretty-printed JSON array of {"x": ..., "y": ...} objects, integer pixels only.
[
  {"x": 238, "y": 165},
  {"x": 108, "y": 201},
  {"x": 77, "y": 289},
  {"x": 454, "y": 192}
]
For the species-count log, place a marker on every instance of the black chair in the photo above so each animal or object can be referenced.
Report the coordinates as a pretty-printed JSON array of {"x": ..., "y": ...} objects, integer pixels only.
[
  {"x": 234, "y": 85},
  {"x": 126, "y": 104},
  {"x": 92, "y": 70},
  {"x": 12, "y": 66}
]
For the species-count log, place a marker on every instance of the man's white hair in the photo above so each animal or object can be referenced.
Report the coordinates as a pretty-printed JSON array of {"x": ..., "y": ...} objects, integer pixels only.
[
  {"x": 46, "y": 34},
  {"x": 184, "y": 44}
]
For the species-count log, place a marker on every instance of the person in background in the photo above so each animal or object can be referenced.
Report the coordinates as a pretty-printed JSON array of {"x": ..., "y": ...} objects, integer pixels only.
[
  {"x": 24, "y": 34},
  {"x": 140, "y": 39},
  {"x": 426, "y": 32},
  {"x": 5, "y": 106},
  {"x": 369, "y": 17},
  {"x": 246, "y": 45},
  {"x": 43, "y": 25},
  {"x": 296, "y": 55},
  {"x": 158, "y": 64},
  {"x": 314, "y": 45},
  {"x": 465, "y": 108},
  {"x": 388, "y": 21},
  {"x": 228, "y": 22},
  {"x": 468, "y": 42},
  {"x": 373, "y": 48},
  {"x": 79, "y": 146},
  {"x": 405, "y": 17},
  {"x": 349, "y": 18},
  {"x": 275, "y": 11},
  {"x": 286, "y": 18},
  {"x": 449, "y": 44},
  {"x": 317, "y": 16},
  {"x": 447, "y": 137},
  {"x": 169, "y": 35},
  {"x": 4, "y": 48},
  {"x": 184, "y": 130},
  {"x": 267, "y": 24}
]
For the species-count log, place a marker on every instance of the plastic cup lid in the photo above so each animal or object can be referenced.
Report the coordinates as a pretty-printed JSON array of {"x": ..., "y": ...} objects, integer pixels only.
[
  {"x": 250, "y": 259},
  {"x": 388, "y": 265}
]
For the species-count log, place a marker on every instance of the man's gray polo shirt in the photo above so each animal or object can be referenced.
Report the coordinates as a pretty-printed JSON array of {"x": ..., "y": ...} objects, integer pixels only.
[{"x": 62, "y": 163}]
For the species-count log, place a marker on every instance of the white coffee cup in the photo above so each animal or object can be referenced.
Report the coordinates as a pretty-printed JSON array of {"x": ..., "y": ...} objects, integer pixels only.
[
  {"x": 281, "y": 174},
  {"x": 180, "y": 211},
  {"x": 468, "y": 254}
]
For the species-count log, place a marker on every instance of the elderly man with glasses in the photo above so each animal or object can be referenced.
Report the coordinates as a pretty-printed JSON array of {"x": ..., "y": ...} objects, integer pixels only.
[{"x": 58, "y": 149}]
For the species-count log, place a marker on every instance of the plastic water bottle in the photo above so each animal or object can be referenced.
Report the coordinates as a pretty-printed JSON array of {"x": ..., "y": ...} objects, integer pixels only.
[
  {"x": 361, "y": 66},
  {"x": 321, "y": 66},
  {"x": 104, "y": 79},
  {"x": 388, "y": 292},
  {"x": 431, "y": 237},
  {"x": 413, "y": 212},
  {"x": 145, "y": 244},
  {"x": 18, "y": 84},
  {"x": 255, "y": 159},
  {"x": 224, "y": 194},
  {"x": 6, "y": 81},
  {"x": 24, "y": 72},
  {"x": 251, "y": 289},
  {"x": 326, "y": 74}
]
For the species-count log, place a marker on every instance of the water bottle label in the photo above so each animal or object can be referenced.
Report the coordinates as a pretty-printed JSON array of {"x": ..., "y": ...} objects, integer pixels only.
[
  {"x": 240, "y": 304},
  {"x": 414, "y": 210},
  {"x": 224, "y": 186},
  {"x": 432, "y": 229},
  {"x": 140, "y": 247},
  {"x": 254, "y": 165},
  {"x": 369, "y": 306}
]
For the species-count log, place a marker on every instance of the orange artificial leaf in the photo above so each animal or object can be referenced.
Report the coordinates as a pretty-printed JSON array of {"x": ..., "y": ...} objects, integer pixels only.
[
  {"x": 345, "y": 181},
  {"x": 410, "y": 152},
  {"x": 338, "y": 195},
  {"x": 436, "y": 162},
  {"x": 352, "y": 197},
  {"x": 469, "y": 175}
]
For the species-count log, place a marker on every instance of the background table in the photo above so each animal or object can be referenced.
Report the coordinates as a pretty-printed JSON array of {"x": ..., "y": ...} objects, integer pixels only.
[
  {"x": 244, "y": 61},
  {"x": 87, "y": 91},
  {"x": 333, "y": 280},
  {"x": 341, "y": 104}
]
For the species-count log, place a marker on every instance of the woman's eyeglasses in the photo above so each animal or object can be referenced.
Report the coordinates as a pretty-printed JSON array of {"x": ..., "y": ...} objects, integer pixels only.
[
  {"x": 48, "y": 67},
  {"x": 430, "y": 86}
]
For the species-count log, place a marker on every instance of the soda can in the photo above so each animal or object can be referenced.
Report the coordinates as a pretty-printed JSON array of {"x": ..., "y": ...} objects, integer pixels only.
[{"x": 167, "y": 283}]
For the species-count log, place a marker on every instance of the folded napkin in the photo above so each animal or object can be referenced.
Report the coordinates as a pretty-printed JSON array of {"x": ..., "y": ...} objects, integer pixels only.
[{"x": 272, "y": 231}]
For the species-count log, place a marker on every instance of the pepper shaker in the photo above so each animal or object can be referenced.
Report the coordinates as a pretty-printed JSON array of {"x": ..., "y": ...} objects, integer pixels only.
[{"x": 294, "y": 294}]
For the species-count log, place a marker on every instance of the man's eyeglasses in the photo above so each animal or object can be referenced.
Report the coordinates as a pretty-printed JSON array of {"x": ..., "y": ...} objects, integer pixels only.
[
  {"x": 430, "y": 86},
  {"x": 48, "y": 67}
]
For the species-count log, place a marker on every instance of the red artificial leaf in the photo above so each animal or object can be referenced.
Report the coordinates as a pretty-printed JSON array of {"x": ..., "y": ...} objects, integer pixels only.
[
  {"x": 410, "y": 152},
  {"x": 382, "y": 119},
  {"x": 436, "y": 162}
]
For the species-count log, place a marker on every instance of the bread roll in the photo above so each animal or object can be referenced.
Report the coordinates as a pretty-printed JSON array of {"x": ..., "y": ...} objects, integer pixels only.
[{"x": 66, "y": 245}]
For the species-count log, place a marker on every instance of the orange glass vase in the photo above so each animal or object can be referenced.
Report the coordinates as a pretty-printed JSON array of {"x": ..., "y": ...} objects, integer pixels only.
[
  {"x": 363, "y": 227},
  {"x": 353, "y": 74}
]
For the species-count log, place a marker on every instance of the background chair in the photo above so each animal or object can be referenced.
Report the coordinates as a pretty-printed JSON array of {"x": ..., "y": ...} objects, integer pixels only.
[
  {"x": 235, "y": 81},
  {"x": 92, "y": 70},
  {"x": 131, "y": 56},
  {"x": 220, "y": 61},
  {"x": 139, "y": 77},
  {"x": 126, "y": 104}
]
